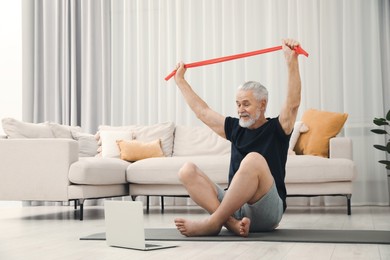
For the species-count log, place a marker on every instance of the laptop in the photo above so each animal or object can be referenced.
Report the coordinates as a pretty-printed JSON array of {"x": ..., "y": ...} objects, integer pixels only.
[{"x": 124, "y": 222}]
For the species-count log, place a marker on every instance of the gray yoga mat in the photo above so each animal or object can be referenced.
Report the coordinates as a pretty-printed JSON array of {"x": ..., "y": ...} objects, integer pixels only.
[{"x": 278, "y": 235}]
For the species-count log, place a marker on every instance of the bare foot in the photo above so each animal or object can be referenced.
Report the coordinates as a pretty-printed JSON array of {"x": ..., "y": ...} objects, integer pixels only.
[
  {"x": 239, "y": 227},
  {"x": 245, "y": 223},
  {"x": 192, "y": 228}
]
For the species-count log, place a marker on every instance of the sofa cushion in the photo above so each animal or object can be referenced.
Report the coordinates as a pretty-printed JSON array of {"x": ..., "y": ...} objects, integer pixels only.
[
  {"x": 98, "y": 171},
  {"x": 162, "y": 131},
  {"x": 316, "y": 169},
  {"x": 17, "y": 129},
  {"x": 322, "y": 125},
  {"x": 324, "y": 188},
  {"x": 63, "y": 131},
  {"x": 135, "y": 150},
  {"x": 199, "y": 140},
  {"x": 87, "y": 144},
  {"x": 164, "y": 170}
]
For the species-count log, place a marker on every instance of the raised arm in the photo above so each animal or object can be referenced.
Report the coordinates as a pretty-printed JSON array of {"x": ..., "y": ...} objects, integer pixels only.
[
  {"x": 208, "y": 116},
  {"x": 290, "y": 108}
]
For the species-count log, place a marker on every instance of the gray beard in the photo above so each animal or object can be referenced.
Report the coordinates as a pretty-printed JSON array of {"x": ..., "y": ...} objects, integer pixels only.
[
  {"x": 250, "y": 121},
  {"x": 247, "y": 123}
]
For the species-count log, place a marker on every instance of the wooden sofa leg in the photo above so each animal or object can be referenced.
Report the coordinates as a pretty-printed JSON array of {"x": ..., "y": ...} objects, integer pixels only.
[{"x": 349, "y": 203}]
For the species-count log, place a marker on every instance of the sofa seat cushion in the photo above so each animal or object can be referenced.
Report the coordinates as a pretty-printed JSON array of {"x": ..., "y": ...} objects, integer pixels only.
[
  {"x": 98, "y": 171},
  {"x": 164, "y": 170},
  {"x": 316, "y": 169}
]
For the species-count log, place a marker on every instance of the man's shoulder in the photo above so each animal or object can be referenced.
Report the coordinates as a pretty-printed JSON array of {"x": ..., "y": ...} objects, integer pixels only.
[
  {"x": 231, "y": 126},
  {"x": 231, "y": 121},
  {"x": 230, "y": 118},
  {"x": 274, "y": 121},
  {"x": 276, "y": 118}
]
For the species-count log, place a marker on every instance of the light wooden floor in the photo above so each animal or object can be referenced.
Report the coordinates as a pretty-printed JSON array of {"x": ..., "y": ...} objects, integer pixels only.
[{"x": 52, "y": 233}]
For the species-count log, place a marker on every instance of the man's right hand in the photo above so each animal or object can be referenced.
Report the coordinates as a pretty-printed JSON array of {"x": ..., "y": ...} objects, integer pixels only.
[{"x": 288, "y": 46}]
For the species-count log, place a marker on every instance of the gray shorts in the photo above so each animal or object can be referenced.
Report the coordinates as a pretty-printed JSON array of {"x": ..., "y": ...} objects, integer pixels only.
[{"x": 265, "y": 214}]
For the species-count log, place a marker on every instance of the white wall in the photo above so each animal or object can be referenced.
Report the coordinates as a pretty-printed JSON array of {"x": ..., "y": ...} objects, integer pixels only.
[
  {"x": 10, "y": 66},
  {"x": 10, "y": 59}
]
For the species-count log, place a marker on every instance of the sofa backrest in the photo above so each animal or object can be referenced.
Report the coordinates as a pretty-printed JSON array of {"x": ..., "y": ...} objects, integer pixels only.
[
  {"x": 198, "y": 140},
  {"x": 146, "y": 133}
]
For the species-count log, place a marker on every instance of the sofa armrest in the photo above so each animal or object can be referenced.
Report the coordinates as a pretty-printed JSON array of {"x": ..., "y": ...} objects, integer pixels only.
[
  {"x": 340, "y": 147},
  {"x": 36, "y": 169}
]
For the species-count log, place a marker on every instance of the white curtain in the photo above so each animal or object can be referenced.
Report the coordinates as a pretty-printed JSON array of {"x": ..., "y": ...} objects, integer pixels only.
[{"x": 95, "y": 62}]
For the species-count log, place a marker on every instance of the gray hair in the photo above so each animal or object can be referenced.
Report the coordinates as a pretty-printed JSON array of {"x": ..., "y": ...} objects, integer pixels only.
[{"x": 259, "y": 91}]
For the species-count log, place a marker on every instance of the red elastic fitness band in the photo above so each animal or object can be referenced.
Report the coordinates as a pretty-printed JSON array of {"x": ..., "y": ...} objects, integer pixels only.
[{"x": 298, "y": 49}]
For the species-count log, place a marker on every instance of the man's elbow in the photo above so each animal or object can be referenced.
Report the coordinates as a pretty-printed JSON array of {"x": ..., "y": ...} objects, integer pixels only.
[
  {"x": 293, "y": 110},
  {"x": 293, "y": 104},
  {"x": 295, "y": 107},
  {"x": 201, "y": 114}
]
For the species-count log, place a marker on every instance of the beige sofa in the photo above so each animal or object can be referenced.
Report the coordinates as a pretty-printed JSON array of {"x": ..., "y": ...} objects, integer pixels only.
[
  {"x": 306, "y": 175},
  {"x": 53, "y": 169}
]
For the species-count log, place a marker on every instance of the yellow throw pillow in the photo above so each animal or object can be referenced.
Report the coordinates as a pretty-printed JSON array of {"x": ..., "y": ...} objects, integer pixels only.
[
  {"x": 134, "y": 150},
  {"x": 322, "y": 125}
]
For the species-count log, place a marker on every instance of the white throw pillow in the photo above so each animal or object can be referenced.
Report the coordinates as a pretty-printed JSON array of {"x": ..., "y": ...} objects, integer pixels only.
[
  {"x": 109, "y": 146},
  {"x": 299, "y": 127}
]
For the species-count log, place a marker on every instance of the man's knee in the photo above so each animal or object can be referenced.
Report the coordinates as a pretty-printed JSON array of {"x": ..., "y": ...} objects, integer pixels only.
[
  {"x": 254, "y": 163},
  {"x": 187, "y": 171},
  {"x": 254, "y": 157}
]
